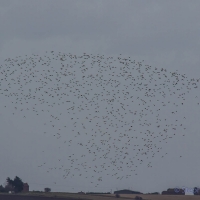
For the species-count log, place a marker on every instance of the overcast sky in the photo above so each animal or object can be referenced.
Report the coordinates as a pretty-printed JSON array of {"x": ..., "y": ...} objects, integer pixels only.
[{"x": 165, "y": 34}]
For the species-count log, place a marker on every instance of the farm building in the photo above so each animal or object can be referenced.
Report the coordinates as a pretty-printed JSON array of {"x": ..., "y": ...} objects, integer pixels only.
[
  {"x": 81, "y": 192},
  {"x": 174, "y": 191},
  {"x": 25, "y": 187},
  {"x": 126, "y": 192}
]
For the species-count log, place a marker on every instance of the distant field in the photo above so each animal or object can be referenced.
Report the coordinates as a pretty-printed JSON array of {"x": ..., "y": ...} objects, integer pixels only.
[
  {"x": 72, "y": 196},
  {"x": 159, "y": 197},
  {"x": 53, "y": 196},
  {"x": 155, "y": 197}
]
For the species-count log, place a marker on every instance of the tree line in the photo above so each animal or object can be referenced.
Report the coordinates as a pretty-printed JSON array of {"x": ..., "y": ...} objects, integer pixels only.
[{"x": 16, "y": 185}]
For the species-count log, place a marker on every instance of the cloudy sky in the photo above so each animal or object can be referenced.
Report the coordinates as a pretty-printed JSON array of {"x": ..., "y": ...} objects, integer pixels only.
[{"x": 165, "y": 34}]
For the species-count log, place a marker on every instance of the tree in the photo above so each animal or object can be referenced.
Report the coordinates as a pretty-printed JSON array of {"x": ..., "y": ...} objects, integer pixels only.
[
  {"x": 18, "y": 184},
  {"x": 9, "y": 181},
  {"x": 9, "y": 185},
  {"x": 15, "y": 185},
  {"x": 47, "y": 189},
  {"x": 196, "y": 191},
  {"x": 2, "y": 189}
]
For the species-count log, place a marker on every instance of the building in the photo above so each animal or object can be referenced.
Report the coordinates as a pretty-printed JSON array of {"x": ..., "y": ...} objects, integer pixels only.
[
  {"x": 126, "y": 192},
  {"x": 174, "y": 191},
  {"x": 154, "y": 193},
  {"x": 81, "y": 192},
  {"x": 25, "y": 187}
]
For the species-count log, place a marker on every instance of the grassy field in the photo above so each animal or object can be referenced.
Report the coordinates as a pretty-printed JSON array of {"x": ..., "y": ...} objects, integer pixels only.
[
  {"x": 162, "y": 197},
  {"x": 59, "y": 195}
]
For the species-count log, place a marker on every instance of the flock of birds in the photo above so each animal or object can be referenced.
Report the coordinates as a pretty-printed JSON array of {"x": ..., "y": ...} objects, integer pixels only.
[{"x": 109, "y": 115}]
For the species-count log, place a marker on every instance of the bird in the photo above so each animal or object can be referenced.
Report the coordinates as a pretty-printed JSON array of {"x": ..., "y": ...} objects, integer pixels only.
[{"x": 96, "y": 108}]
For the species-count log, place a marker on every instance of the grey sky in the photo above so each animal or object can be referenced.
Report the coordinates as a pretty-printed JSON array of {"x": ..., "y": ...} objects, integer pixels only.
[{"x": 165, "y": 34}]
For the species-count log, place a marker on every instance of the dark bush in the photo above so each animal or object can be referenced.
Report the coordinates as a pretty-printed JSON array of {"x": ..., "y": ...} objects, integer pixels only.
[
  {"x": 47, "y": 189},
  {"x": 117, "y": 196}
]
